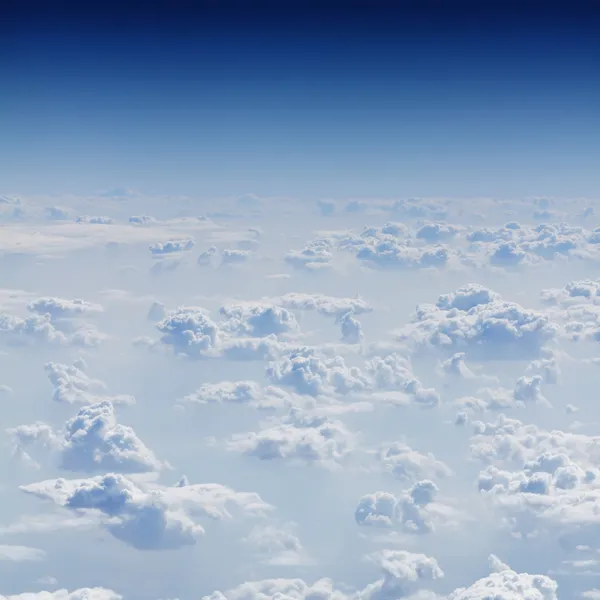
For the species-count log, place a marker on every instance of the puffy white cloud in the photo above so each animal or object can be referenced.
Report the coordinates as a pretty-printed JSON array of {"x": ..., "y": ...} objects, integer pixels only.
[
  {"x": 401, "y": 571},
  {"x": 152, "y": 517},
  {"x": 281, "y": 589},
  {"x": 436, "y": 232},
  {"x": 492, "y": 328},
  {"x": 351, "y": 329},
  {"x": 258, "y": 320},
  {"x": 389, "y": 252},
  {"x": 408, "y": 464},
  {"x": 413, "y": 512},
  {"x": 300, "y": 436},
  {"x": 92, "y": 442},
  {"x": 315, "y": 255},
  {"x": 190, "y": 331},
  {"x": 309, "y": 374},
  {"x": 323, "y": 304},
  {"x": 36, "y": 328},
  {"x": 509, "y": 585},
  {"x": 239, "y": 392},
  {"x": 60, "y": 308},
  {"x": 467, "y": 297},
  {"x": 72, "y": 385},
  {"x": 394, "y": 372},
  {"x": 171, "y": 247}
]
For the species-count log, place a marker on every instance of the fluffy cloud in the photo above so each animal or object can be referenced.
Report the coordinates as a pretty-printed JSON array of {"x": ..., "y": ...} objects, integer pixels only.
[
  {"x": 309, "y": 374},
  {"x": 300, "y": 436},
  {"x": 60, "y": 308},
  {"x": 351, "y": 329},
  {"x": 258, "y": 320},
  {"x": 239, "y": 392},
  {"x": 72, "y": 385},
  {"x": 92, "y": 441},
  {"x": 508, "y": 585},
  {"x": 152, "y": 517},
  {"x": 405, "y": 463},
  {"x": 171, "y": 247},
  {"x": 190, "y": 331},
  {"x": 486, "y": 324},
  {"x": 413, "y": 512},
  {"x": 315, "y": 255},
  {"x": 323, "y": 304}
]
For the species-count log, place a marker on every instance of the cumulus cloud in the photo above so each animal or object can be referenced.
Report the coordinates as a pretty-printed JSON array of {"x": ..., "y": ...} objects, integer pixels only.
[
  {"x": 71, "y": 385},
  {"x": 257, "y": 320},
  {"x": 60, "y": 308},
  {"x": 171, "y": 247},
  {"x": 301, "y": 436},
  {"x": 406, "y": 463},
  {"x": 190, "y": 331},
  {"x": 323, "y": 304},
  {"x": 92, "y": 442},
  {"x": 317, "y": 254},
  {"x": 485, "y": 324},
  {"x": 248, "y": 393},
  {"x": 151, "y": 517},
  {"x": 507, "y": 585},
  {"x": 351, "y": 329}
]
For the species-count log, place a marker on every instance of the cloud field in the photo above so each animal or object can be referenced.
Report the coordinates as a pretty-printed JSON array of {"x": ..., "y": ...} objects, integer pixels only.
[{"x": 266, "y": 399}]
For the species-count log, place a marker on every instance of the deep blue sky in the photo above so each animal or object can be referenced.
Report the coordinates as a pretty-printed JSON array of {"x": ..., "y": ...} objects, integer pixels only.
[{"x": 324, "y": 101}]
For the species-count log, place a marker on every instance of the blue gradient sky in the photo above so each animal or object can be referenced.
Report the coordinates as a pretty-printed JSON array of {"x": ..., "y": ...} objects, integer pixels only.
[{"x": 399, "y": 103}]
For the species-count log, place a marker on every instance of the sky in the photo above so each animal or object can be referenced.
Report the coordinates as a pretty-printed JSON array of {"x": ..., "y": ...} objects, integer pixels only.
[
  {"x": 299, "y": 302},
  {"x": 301, "y": 99}
]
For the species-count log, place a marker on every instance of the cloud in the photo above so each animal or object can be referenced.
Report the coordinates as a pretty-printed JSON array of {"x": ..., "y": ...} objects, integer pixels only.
[
  {"x": 152, "y": 517},
  {"x": 492, "y": 328},
  {"x": 407, "y": 464},
  {"x": 507, "y": 585},
  {"x": 234, "y": 256},
  {"x": 323, "y": 304},
  {"x": 351, "y": 329},
  {"x": 60, "y": 308},
  {"x": 239, "y": 392},
  {"x": 256, "y": 320},
  {"x": 277, "y": 546},
  {"x": 62, "y": 594},
  {"x": 315, "y": 255},
  {"x": 92, "y": 441},
  {"x": 309, "y": 374},
  {"x": 189, "y": 330},
  {"x": 71, "y": 385},
  {"x": 401, "y": 571},
  {"x": 20, "y": 553},
  {"x": 171, "y": 247},
  {"x": 413, "y": 512},
  {"x": 94, "y": 220},
  {"x": 301, "y": 437}
]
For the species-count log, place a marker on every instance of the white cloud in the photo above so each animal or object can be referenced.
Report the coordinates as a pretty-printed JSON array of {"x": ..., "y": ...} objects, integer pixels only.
[
  {"x": 62, "y": 594},
  {"x": 71, "y": 385},
  {"x": 299, "y": 436},
  {"x": 149, "y": 517},
  {"x": 92, "y": 441},
  {"x": 508, "y": 585}
]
